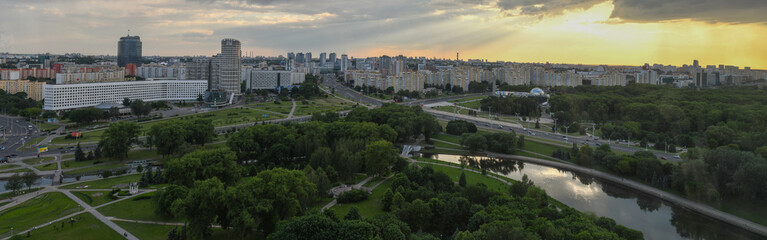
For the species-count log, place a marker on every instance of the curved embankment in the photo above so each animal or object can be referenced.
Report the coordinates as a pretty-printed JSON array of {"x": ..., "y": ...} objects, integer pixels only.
[{"x": 679, "y": 201}]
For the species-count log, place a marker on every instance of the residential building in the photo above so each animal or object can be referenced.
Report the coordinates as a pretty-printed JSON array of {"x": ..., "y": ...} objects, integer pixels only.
[
  {"x": 229, "y": 66},
  {"x": 33, "y": 89},
  {"x": 273, "y": 79}
]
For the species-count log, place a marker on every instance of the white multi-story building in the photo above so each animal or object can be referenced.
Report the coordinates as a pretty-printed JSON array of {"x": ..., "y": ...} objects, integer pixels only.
[
  {"x": 90, "y": 77},
  {"x": 71, "y": 96}
]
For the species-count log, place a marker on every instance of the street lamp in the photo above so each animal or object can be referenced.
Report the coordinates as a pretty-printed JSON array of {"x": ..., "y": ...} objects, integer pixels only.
[{"x": 566, "y": 131}]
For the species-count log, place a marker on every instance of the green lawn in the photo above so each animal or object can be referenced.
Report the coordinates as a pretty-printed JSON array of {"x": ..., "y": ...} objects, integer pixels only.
[
  {"x": 446, "y": 145},
  {"x": 321, "y": 105},
  {"x": 145, "y": 231},
  {"x": 30, "y": 143},
  {"x": 23, "y": 191},
  {"x": 88, "y": 136},
  {"x": 283, "y": 107},
  {"x": 471, "y": 177},
  {"x": 468, "y": 99},
  {"x": 36, "y": 211},
  {"x": 97, "y": 168},
  {"x": 33, "y": 161},
  {"x": 47, "y": 126},
  {"x": 20, "y": 170},
  {"x": 86, "y": 227},
  {"x": 448, "y": 138},
  {"x": 94, "y": 198},
  {"x": 47, "y": 167},
  {"x": 7, "y": 166},
  {"x": 368, "y": 208},
  {"x": 142, "y": 209},
  {"x": 446, "y": 151},
  {"x": 542, "y": 148},
  {"x": 472, "y": 104},
  {"x": 105, "y": 183}
]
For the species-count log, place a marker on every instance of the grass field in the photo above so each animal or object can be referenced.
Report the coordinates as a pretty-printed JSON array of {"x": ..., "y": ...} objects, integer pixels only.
[
  {"x": 36, "y": 211},
  {"x": 89, "y": 136},
  {"x": 472, "y": 104},
  {"x": 446, "y": 145},
  {"x": 448, "y": 138},
  {"x": 469, "y": 99},
  {"x": 47, "y": 167},
  {"x": 20, "y": 170},
  {"x": 369, "y": 207},
  {"x": 87, "y": 227},
  {"x": 94, "y": 198},
  {"x": 7, "y": 166},
  {"x": 47, "y": 126},
  {"x": 23, "y": 191},
  {"x": 31, "y": 143},
  {"x": 146, "y": 231},
  {"x": 97, "y": 168},
  {"x": 105, "y": 183},
  {"x": 283, "y": 107},
  {"x": 321, "y": 105},
  {"x": 37, "y": 160},
  {"x": 141, "y": 209},
  {"x": 471, "y": 177},
  {"x": 541, "y": 148}
]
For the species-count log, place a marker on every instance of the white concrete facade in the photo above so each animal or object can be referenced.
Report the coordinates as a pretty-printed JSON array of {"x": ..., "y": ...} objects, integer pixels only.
[{"x": 71, "y": 96}]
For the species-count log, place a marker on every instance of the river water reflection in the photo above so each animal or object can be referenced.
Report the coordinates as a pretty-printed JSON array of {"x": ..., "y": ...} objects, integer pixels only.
[{"x": 656, "y": 218}]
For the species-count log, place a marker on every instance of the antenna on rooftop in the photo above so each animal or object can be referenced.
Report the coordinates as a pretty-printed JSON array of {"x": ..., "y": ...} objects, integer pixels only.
[{"x": 128, "y": 32}]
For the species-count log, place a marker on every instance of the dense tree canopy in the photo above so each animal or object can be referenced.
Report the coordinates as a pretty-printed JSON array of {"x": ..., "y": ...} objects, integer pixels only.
[{"x": 118, "y": 139}]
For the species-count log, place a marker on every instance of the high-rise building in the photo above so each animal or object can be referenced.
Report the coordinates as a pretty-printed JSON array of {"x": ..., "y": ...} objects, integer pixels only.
[
  {"x": 299, "y": 57},
  {"x": 129, "y": 51},
  {"x": 323, "y": 57},
  {"x": 291, "y": 56},
  {"x": 695, "y": 63},
  {"x": 308, "y": 57},
  {"x": 344, "y": 62},
  {"x": 229, "y": 65},
  {"x": 332, "y": 59}
]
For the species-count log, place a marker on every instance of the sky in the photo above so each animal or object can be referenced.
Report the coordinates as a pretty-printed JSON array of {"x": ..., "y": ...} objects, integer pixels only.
[{"x": 613, "y": 32}]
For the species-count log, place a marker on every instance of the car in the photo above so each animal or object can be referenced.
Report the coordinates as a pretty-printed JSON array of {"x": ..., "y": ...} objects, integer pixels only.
[
  {"x": 677, "y": 157},
  {"x": 664, "y": 158},
  {"x": 500, "y": 127},
  {"x": 597, "y": 144},
  {"x": 14, "y": 155}
]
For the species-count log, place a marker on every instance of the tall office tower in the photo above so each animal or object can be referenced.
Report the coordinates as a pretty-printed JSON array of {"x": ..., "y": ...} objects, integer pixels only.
[
  {"x": 332, "y": 59},
  {"x": 129, "y": 51},
  {"x": 229, "y": 65},
  {"x": 308, "y": 57},
  {"x": 322, "y": 58},
  {"x": 299, "y": 57},
  {"x": 695, "y": 63},
  {"x": 291, "y": 55},
  {"x": 344, "y": 62}
]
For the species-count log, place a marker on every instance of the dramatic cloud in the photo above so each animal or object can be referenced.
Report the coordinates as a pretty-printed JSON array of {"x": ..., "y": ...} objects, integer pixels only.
[
  {"x": 728, "y": 11},
  {"x": 543, "y": 7}
]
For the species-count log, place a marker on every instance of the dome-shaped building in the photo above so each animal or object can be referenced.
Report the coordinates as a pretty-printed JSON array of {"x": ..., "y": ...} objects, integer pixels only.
[{"x": 537, "y": 92}]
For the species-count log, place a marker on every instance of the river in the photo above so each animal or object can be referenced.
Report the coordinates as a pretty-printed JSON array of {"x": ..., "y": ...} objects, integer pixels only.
[{"x": 656, "y": 218}]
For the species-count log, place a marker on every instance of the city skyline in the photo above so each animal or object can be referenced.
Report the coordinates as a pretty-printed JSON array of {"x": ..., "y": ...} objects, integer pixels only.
[{"x": 615, "y": 32}]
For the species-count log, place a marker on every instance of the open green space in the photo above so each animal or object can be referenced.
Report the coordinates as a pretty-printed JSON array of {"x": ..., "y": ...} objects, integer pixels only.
[
  {"x": 542, "y": 148},
  {"x": 21, "y": 192},
  {"x": 20, "y": 170},
  {"x": 85, "y": 227},
  {"x": 30, "y": 143},
  {"x": 33, "y": 161},
  {"x": 322, "y": 105},
  {"x": 136, "y": 208},
  {"x": 47, "y": 126},
  {"x": 146, "y": 231},
  {"x": 367, "y": 208},
  {"x": 47, "y": 167},
  {"x": 282, "y": 107},
  {"x": 472, "y": 104},
  {"x": 106, "y": 183},
  {"x": 41, "y": 209},
  {"x": 445, "y": 151},
  {"x": 471, "y": 177},
  {"x": 88, "y": 136},
  {"x": 94, "y": 198},
  {"x": 448, "y": 138},
  {"x": 446, "y": 145},
  {"x": 469, "y": 99},
  {"x": 7, "y": 166},
  {"x": 96, "y": 168}
]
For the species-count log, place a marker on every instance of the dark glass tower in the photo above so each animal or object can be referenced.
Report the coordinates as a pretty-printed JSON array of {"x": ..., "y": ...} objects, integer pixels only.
[{"x": 129, "y": 51}]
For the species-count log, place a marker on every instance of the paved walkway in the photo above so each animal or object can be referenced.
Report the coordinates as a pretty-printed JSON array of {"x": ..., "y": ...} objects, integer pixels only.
[
  {"x": 293, "y": 109},
  {"x": 101, "y": 217},
  {"x": 343, "y": 188}
]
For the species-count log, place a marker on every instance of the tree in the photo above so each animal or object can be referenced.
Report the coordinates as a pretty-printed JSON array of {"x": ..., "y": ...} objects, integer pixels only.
[
  {"x": 139, "y": 108},
  {"x": 386, "y": 201},
  {"x": 458, "y": 127},
  {"x": 475, "y": 142},
  {"x": 462, "y": 179},
  {"x": 29, "y": 179},
  {"x": 199, "y": 131},
  {"x": 199, "y": 98},
  {"x": 416, "y": 214},
  {"x": 201, "y": 206},
  {"x": 167, "y": 136},
  {"x": 201, "y": 165},
  {"x": 79, "y": 154},
  {"x": 126, "y": 102},
  {"x": 15, "y": 183},
  {"x": 32, "y": 112},
  {"x": 353, "y": 214},
  {"x": 118, "y": 138},
  {"x": 379, "y": 155}
]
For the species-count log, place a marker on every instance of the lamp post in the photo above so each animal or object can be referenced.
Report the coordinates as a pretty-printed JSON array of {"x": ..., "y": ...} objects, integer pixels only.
[{"x": 566, "y": 131}]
